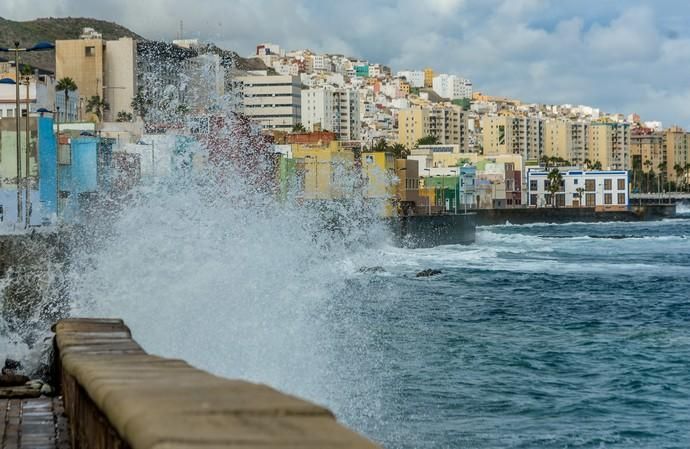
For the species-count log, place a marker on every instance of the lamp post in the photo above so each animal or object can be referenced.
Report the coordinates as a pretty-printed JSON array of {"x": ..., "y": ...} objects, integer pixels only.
[
  {"x": 456, "y": 191},
  {"x": 428, "y": 199},
  {"x": 27, "y": 160},
  {"x": 41, "y": 46}
]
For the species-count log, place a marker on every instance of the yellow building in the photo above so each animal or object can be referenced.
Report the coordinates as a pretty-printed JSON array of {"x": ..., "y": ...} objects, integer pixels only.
[
  {"x": 647, "y": 151},
  {"x": 327, "y": 170},
  {"x": 428, "y": 77},
  {"x": 447, "y": 123},
  {"x": 609, "y": 143},
  {"x": 413, "y": 124},
  {"x": 566, "y": 139},
  {"x": 99, "y": 68},
  {"x": 676, "y": 149},
  {"x": 510, "y": 134}
]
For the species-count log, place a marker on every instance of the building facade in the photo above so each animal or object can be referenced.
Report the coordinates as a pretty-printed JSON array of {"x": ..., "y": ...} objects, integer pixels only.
[
  {"x": 452, "y": 86},
  {"x": 273, "y": 101},
  {"x": 600, "y": 189},
  {"x": 332, "y": 109}
]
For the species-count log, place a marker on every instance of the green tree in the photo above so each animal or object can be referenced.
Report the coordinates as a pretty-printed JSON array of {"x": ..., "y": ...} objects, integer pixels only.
[
  {"x": 25, "y": 69},
  {"x": 555, "y": 180},
  {"x": 96, "y": 105},
  {"x": 298, "y": 128},
  {"x": 648, "y": 164},
  {"x": 124, "y": 116},
  {"x": 380, "y": 145},
  {"x": 141, "y": 104},
  {"x": 427, "y": 140},
  {"x": 399, "y": 150},
  {"x": 66, "y": 85},
  {"x": 596, "y": 165},
  {"x": 680, "y": 171}
]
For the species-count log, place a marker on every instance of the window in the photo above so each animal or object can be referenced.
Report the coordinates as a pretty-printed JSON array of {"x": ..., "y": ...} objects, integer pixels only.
[
  {"x": 575, "y": 181},
  {"x": 547, "y": 197},
  {"x": 608, "y": 184},
  {"x": 621, "y": 198},
  {"x": 533, "y": 200},
  {"x": 621, "y": 184},
  {"x": 547, "y": 184},
  {"x": 590, "y": 199},
  {"x": 590, "y": 185},
  {"x": 560, "y": 200},
  {"x": 89, "y": 51},
  {"x": 608, "y": 198}
]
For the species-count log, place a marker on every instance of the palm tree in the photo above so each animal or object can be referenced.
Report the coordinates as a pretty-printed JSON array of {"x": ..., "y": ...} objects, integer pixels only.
[
  {"x": 298, "y": 128},
  {"x": 96, "y": 105},
  {"x": 680, "y": 170},
  {"x": 66, "y": 85},
  {"x": 596, "y": 165},
  {"x": 648, "y": 164},
  {"x": 580, "y": 191},
  {"x": 662, "y": 173},
  {"x": 380, "y": 145},
  {"x": 399, "y": 150},
  {"x": 427, "y": 140},
  {"x": 555, "y": 179}
]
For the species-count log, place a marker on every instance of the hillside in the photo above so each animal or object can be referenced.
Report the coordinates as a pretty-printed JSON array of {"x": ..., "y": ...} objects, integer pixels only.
[{"x": 51, "y": 29}]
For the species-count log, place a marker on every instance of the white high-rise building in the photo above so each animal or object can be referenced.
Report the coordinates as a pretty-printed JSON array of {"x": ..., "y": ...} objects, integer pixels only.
[
  {"x": 332, "y": 109},
  {"x": 414, "y": 77},
  {"x": 452, "y": 86}
]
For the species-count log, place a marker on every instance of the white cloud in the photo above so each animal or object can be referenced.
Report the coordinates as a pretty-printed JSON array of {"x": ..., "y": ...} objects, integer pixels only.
[{"x": 619, "y": 56}]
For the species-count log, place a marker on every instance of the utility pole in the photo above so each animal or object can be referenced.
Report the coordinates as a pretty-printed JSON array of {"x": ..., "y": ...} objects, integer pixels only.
[
  {"x": 27, "y": 180},
  {"x": 18, "y": 114}
]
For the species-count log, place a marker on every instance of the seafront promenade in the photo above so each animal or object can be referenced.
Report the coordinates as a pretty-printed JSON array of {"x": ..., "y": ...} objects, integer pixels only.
[{"x": 116, "y": 395}]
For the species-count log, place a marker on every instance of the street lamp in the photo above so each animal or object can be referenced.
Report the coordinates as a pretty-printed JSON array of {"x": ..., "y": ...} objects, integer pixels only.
[
  {"x": 456, "y": 191},
  {"x": 428, "y": 200},
  {"x": 41, "y": 46}
]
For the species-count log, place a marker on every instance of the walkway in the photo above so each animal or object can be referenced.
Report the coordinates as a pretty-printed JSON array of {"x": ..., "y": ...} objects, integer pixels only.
[{"x": 33, "y": 423}]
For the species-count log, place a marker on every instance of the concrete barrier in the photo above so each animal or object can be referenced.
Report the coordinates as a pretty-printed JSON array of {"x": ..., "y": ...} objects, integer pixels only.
[{"x": 118, "y": 396}]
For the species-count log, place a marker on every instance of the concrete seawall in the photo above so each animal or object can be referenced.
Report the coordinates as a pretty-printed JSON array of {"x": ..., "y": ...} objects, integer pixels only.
[
  {"x": 572, "y": 214},
  {"x": 118, "y": 396}
]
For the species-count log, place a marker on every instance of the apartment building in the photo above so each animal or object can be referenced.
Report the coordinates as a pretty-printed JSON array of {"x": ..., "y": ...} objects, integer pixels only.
[
  {"x": 508, "y": 134},
  {"x": 414, "y": 77},
  {"x": 566, "y": 139},
  {"x": 332, "y": 109},
  {"x": 106, "y": 69},
  {"x": 448, "y": 124},
  {"x": 273, "y": 101},
  {"x": 676, "y": 148},
  {"x": 452, "y": 86},
  {"x": 601, "y": 189},
  {"x": 609, "y": 143},
  {"x": 647, "y": 149}
]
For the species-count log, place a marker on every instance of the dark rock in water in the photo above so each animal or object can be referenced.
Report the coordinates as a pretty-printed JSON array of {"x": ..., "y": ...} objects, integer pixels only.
[
  {"x": 11, "y": 366},
  {"x": 428, "y": 273},
  {"x": 12, "y": 380},
  {"x": 376, "y": 269}
]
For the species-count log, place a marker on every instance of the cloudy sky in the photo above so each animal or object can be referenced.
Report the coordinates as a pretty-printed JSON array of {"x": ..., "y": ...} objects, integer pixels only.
[{"x": 620, "y": 55}]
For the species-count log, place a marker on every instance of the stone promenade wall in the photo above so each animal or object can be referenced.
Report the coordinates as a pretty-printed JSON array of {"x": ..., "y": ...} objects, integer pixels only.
[{"x": 118, "y": 396}]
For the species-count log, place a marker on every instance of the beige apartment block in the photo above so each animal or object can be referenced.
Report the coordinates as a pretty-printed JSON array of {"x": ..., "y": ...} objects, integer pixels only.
[
  {"x": 609, "y": 143},
  {"x": 99, "y": 68},
  {"x": 566, "y": 139},
  {"x": 508, "y": 134},
  {"x": 647, "y": 151},
  {"x": 413, "y": 124},
  {"x": 447, "y": 123},
  {"x": 676, "y": 149}
]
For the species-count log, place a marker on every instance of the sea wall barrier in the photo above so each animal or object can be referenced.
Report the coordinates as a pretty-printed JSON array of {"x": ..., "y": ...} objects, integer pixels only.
[
  {"x": 572, "y": 214},
  {"x": 118, "y": 396}
]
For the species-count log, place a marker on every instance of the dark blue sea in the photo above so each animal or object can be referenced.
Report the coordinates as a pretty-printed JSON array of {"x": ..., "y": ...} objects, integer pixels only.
[{"x": 537, "y": 336}]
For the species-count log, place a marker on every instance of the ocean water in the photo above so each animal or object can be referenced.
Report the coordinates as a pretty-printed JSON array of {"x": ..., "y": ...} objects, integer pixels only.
[{"x": 538, "y": 336}]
